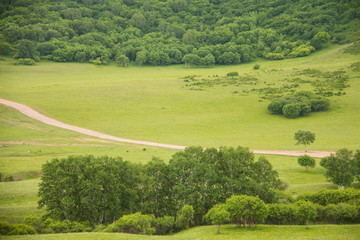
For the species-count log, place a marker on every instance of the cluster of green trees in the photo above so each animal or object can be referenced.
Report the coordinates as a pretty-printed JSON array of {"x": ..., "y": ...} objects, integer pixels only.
[
  {"x": 161, "y": 32},
  {"x": 101, "y": 189},
  {"x": 342, "y": 168},
  {"x": 325, "y": 206},
  {"x": 298, "y": 104}
]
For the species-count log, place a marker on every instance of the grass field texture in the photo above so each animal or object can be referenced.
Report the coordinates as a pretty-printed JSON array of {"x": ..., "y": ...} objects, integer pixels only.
[
  {"x": 154, "y": 104},
  {"x": 228, "y": 232},
  {"x": 27, "y": 144}
]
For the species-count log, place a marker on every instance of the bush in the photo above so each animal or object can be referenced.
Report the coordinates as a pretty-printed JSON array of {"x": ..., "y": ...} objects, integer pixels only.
[
  {"x": 301, "y": 104},
  {"x": 8, "y": 178},
  {"x": 164, "y": 225},
  {"x": 25, "y": 61},
  {"x": 319, "y": 104},
  {"x": 277, "y": 105},
  {"x": 5, "y": 228},
  {"x": 99, "y": 228},
  {"x": 21, "y": 229},
  {"x": 275, "y": 56},
  {"x": 5, "y": 49},
  {"x": 15, "y": 229},
  {"x": 34, "y": 221},
  {"x": 134, "y": 223},
  {"x": 55, "y": 226},
  {"x": 281, "y": 213},
  {"x": 291, "y": 110},
  {"x": 232, "y": 74},
  {"x": 325, "y": 197},
  {"x": 256, "y": 66},
  {"x": 306, "y": 161}
]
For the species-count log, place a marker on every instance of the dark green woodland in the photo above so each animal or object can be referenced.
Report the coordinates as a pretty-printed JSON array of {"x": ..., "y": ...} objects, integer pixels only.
[{"x": 163, "y": 32}]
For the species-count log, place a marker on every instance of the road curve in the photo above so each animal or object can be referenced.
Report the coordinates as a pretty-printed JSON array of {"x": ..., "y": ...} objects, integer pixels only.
[{"x": 50, "y": 121}]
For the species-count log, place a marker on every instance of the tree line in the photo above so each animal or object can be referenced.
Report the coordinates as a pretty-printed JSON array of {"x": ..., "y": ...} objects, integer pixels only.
[
  {"x": 324, "y": 207},
  {"x": 102, "y": 189},
  {"x": 159, "y": 32}
]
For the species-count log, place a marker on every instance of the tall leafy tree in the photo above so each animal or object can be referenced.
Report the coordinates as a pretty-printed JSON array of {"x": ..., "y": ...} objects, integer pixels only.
[
  {"x": 340, "y": 167},
  {"x": 85, "y": 188},
  {"x": 304, "y": 137}
]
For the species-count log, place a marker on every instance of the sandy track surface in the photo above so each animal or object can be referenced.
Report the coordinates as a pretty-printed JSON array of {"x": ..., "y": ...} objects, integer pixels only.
[{"x": 50, "y": 121}]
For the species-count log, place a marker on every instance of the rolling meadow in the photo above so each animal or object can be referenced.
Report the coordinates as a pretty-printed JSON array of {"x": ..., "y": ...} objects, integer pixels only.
[{"x": 159, "y": 104}]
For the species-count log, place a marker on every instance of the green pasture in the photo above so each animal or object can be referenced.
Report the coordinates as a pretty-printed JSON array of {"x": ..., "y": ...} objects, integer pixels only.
[
  {"x": 27, "y": 144},
  {"x": 328, "y": 232},
  {"x": 154, "y": 104}
]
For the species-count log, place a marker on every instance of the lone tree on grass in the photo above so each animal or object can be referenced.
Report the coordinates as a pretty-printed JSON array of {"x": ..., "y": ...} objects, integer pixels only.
[
  {"x": 304, "y": 137},
  {"x": 306, "y": 161}
]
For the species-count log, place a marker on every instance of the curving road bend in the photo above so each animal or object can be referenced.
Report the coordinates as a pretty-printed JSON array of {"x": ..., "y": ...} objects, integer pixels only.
[{"x": 50, "y": 121}]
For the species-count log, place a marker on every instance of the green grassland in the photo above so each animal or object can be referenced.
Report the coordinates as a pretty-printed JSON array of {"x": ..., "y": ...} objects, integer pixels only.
[
  {"x": 154, "y": 104},
  {"x": 328, "y": 232},
  {"x": 27, "y": 144}
]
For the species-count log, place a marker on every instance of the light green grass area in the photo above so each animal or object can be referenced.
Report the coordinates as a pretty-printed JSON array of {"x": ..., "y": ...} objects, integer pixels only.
[
  {"x": 228, "y": 232},
  {"x": 153, "y": 104},
  {"x": 24, "y": 160}
]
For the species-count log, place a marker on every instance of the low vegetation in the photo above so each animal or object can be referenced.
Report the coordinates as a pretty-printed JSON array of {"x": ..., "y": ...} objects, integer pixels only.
[{"x": 298, "y": 104}]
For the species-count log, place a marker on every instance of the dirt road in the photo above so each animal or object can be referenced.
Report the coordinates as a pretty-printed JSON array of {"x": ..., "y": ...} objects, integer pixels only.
[{"x": 37, "y": 116}]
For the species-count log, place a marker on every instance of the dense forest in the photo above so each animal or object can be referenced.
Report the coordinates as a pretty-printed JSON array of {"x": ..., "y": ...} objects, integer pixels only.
[{"x": 163, "y": 32}]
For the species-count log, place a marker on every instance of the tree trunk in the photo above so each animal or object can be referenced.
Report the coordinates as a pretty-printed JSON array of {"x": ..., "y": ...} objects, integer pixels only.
[
  {"x": 305, "y": 147},
  {"x": 218, "y": 231},
  {"x": 307, "y": 168},
  {"x": 307, "y": 223}
]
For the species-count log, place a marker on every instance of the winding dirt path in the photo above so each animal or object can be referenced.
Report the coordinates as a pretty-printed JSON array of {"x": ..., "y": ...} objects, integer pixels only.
[{"x": 50, "y": 121}]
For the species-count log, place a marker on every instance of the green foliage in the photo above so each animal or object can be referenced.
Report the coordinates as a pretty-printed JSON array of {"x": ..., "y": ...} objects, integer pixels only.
[
  {"x": 250, "y": 210},
  {"x": 164, "y": 225},
  {"x": 49, "y": 225},
  {"x": 282, "y": 214},
  {"x": 306, "y": 161},
  {"x": 304, "y": 137},
  {"x": 73, "y": 188},
  {"x": 34, "y": 221},
  {"x": 291, "y": 110},
  {"x": 256, "y": 66},
  {"x": 232, "y": 74},
  {"x": 232, "y": 31},
  {"x": 122, "y": 60},
  {"x": 340, "y": 168},
  {"x": 7, "y": 178},
  {"x": 5, "y": 48},
  {"x": 218, "y": 215},
  {"x": 299, "y": 104},
  {"x": 320, "y": 40},
  {"x": 325, "y": 196},
  {"x": 25, "y": 61},
  {"x": 340, "y": 213},
  {"x": 134, "y": 223},
  {"x": 184, "y": 216},
  {"x": 306, "y": 211},
  {"x": 16, "y": 229}
]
